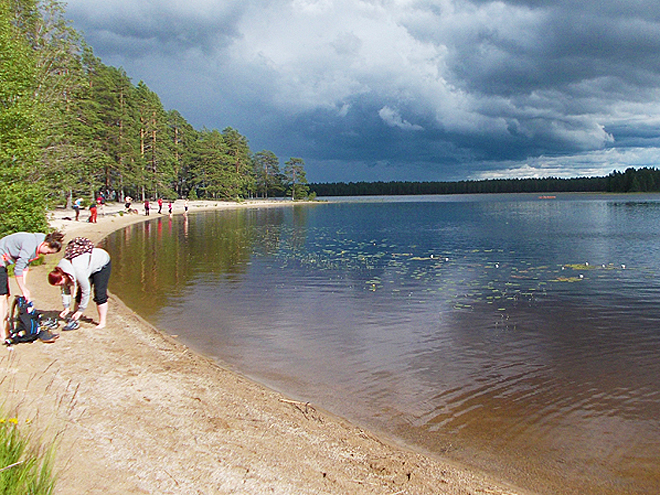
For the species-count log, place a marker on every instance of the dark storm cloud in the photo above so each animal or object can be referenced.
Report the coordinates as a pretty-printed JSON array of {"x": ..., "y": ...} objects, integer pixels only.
[
  {"x": 139, "y": 29},
  {"x": 403, "y": 88},
  {"x": 568, "y": 46}
]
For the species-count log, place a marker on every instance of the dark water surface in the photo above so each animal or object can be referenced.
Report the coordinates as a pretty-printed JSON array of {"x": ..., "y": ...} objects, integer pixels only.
[{"x": 516, "y": 334}]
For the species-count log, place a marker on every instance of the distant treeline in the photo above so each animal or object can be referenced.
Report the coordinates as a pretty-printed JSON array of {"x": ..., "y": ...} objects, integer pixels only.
[{"x": 632, "y": 180}]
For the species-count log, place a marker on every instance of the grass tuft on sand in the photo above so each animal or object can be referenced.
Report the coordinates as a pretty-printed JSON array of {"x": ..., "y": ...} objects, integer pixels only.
[{"x": 25, "y": 464}]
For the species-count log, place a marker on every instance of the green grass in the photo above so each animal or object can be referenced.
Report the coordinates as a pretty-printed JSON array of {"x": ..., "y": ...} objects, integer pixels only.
[{"x": 25, "y": 465}]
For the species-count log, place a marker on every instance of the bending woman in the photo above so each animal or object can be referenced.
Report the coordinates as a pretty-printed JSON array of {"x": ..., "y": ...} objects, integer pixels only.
[
  {"x": 79, "y": 274},
  {"x": 20, "y": 249}
]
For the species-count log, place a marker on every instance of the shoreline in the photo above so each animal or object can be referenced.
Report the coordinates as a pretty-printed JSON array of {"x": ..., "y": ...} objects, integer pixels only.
[{"x": 134, "y": 411}]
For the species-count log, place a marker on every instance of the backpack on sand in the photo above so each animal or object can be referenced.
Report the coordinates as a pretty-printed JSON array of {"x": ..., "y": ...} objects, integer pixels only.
[{"x": 25, "y": 324}]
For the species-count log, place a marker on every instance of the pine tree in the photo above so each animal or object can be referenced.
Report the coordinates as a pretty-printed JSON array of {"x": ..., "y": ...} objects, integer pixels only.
[
  {"x": 21, "y": 197},
  {"x": 294, "y": 171},
  {"x": 267, "y": 173}
]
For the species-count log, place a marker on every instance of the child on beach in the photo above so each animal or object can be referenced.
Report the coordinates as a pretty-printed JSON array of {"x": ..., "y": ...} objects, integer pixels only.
[
  {"x": 20, "y": 249},
  {"x": 78, "y": 273}
]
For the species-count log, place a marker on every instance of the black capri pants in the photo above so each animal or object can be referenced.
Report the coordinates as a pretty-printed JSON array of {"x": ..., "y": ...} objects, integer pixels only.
[
  {"x": 100, "y": 281},
  {"x": 4, "y": 282}
]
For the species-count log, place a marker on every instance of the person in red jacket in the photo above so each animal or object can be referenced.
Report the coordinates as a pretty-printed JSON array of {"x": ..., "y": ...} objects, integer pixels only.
[{"x": 92, "y": 213}]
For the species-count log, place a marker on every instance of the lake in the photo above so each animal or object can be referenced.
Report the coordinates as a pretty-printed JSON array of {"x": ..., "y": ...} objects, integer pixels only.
[{"x": 515, "y": 333}]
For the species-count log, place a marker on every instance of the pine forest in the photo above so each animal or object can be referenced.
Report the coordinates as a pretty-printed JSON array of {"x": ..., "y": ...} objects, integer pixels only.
[{"x": 72, "y": 126}]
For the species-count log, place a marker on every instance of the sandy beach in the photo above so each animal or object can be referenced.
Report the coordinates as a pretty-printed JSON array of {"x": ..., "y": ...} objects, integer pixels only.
[{"x": 133, "y": 411}]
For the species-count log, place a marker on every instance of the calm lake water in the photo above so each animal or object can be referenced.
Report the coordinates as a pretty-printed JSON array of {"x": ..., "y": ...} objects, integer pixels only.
[{"x": 516, "y": 334}]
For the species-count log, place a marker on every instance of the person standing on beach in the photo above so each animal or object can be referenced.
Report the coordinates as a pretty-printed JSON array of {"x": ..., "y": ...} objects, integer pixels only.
[
  {"x": 170, "y": 208},
  {"x": 146, "y": 207},
  {"x": 92, "y": 213},
  {"x": 127, "y": 203},
  {"x": 185, "y": 206},
  {"x": 20, "y": 249},
  {"x": 100, "y": 203},
  {"x": 79, "y": 272},
  {"x": 160, "y": 205},
  {"x": 77, "y": 204}
]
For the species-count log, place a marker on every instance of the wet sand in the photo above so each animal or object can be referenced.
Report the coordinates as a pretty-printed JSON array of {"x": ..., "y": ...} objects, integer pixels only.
[{"x": 133, "y": 411}]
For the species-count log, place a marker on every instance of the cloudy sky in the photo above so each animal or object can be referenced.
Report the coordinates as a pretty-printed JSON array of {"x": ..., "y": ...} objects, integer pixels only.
[{"x": 403, "y": 89}]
